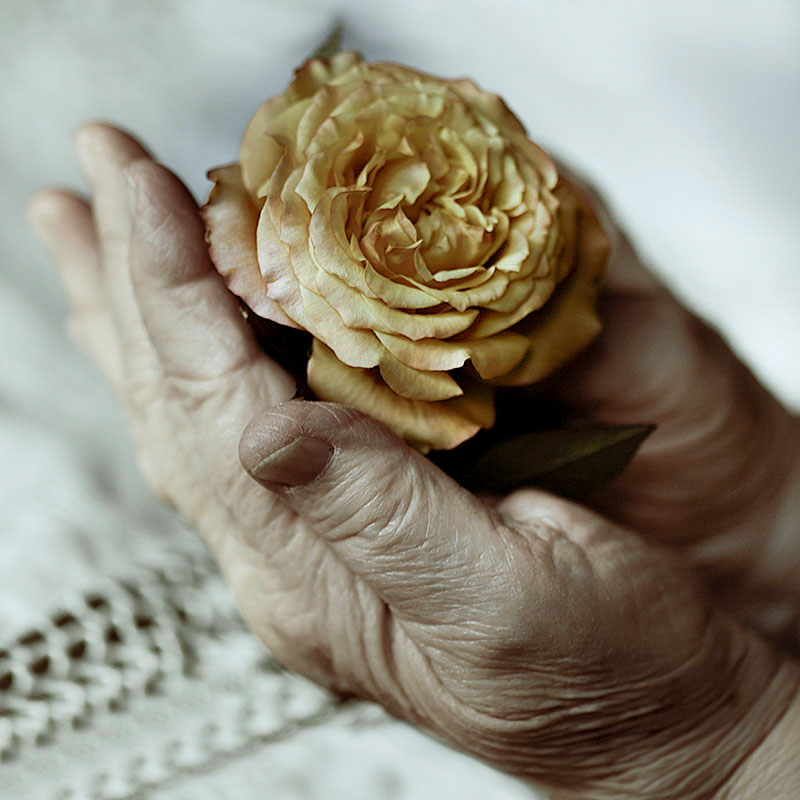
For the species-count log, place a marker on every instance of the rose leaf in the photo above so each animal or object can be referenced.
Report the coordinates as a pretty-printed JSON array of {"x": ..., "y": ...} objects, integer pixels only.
[
  {"x": 332, "y": 44},
  {"x": 571, "y": 462}
]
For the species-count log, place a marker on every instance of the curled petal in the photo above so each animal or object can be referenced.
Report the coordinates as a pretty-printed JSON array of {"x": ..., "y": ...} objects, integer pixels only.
[
  {"x": 564, "y": 328},
  {"x": 424, "y": 425},
  {"x": 491, "y": 357},
  {"x": 569, "y": 321},
  {"x": 316, "y": 73},
  {"x": 492, "y": 106},
  {"x": 404, "y": 179},
  {"x": 359, "y": 311},
  {"x": 490, "y": 290},
  {"x": 397, "y": 294},
  {"x": 417, "y": 384},
  {"x": 357, "y": 348},
  {"x": 521, "y": 299},
  {"x": 259, "y": 152},
  {"x": 275, "y": 267},
  {"x": 230, "y": 218}
]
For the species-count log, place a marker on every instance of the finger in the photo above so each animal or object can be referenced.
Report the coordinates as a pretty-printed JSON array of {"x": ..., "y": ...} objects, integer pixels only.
[
  {"x": 639, "y": 369},
  {"x": 63, "y": 222},
  {"x": 625, "y": 271},
  {"x": 648, "y": 350},
  {"x": 541, "y": 510},
  {"x": 193, "y": 321},
  {"x": 103, "y": 153},
  {"x": 422, "y": 542},
  {"x": 644, "y": 354}
]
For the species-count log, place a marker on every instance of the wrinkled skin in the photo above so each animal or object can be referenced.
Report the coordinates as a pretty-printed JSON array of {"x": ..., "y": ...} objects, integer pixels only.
[
  {"x": 719, "y": 479},
  {"x": 533, "y": 633}
]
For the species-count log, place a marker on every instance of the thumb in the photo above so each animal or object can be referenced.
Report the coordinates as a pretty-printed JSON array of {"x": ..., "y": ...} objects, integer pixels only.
[{"x": 418, "y": 538}]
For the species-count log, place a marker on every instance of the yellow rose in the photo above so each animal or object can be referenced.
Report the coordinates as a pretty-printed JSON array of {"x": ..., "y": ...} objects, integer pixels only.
[{"x": 409, "y": 224}]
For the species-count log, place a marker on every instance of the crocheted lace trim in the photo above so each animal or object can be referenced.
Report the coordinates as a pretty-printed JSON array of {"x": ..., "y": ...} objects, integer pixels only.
[{"x": 132, "y": 646}]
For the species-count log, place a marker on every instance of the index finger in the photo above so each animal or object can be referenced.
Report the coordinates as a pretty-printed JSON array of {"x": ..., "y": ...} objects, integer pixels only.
[{"x": 194, "y": 323}]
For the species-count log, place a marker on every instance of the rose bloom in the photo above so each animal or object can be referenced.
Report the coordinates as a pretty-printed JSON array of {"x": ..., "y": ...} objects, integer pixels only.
[{"x": 409, "y": 224}]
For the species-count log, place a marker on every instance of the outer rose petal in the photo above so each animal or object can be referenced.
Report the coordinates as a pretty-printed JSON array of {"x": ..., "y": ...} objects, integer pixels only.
[
  {"x": 231, "y": 220},
  {"x": 259, "y": 152},
  {"x": 492, "y": 105},
  {"x": 313, "y": 74},
  {"x": 569, "y": 321},
  {"x": 425, "y": 426}
]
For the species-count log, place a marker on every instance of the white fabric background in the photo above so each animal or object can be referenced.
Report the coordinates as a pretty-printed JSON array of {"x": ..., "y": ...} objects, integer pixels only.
[{"x": 687, "y": 114}]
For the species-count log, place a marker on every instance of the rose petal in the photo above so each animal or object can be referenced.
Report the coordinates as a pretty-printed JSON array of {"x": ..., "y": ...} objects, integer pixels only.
[
  {"x": 416, "y": 384},
  {"x": 259, "y": 152},
  {"x": 275, "y": 267},
  {"x": 491, "y": 357},
  {"x": 510, "y": 192},
  {"x": 521, "y": 299},
  {"x": 298, "y": 292},
  {"x": 341, "y": 68},
  {"x": 461, "y": 299},
  {"x": 569, "y": 321},
  {"x": 396, "y": 294},
  {"x": 347, "y": 262},
  {"x": 440, "y": 426},
  {"x": 283, "y": 126},
  {"x": 359, "y": 311},
  {"x": 314, "y": 181},
  {"x": 357, "y": 348},
  {"x": 515, "y": 251},
  {"x": 317, "y": 112},
  {"x": 353, "y": 307},
  {"x": 230, "y": 218},
  {"x": 406, "y": 178},
  {"x": 565, "y": 327},
  {"x": 491, "y": 106}
]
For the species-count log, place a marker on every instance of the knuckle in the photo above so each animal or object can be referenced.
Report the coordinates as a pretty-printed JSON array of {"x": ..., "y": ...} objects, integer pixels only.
[{"x": 546, "y": 585}]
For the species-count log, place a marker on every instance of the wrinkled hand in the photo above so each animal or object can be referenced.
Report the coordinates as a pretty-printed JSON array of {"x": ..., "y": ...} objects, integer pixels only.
[
  {"x": 719, "y": 479},
  {"x": 534, "y": 635}
]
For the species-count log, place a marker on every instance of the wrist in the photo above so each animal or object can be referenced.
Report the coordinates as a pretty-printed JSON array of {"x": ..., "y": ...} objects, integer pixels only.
[
  {"x": 773, "y": 768},
  {"x": 711, "y": 740},
  {"x": 747, "y": 693}
]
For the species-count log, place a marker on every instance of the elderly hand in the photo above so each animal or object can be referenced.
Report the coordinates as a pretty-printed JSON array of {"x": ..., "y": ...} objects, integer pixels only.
[
  {"x": 535, "y": 635},
  {"x": 719, "y": 479}
]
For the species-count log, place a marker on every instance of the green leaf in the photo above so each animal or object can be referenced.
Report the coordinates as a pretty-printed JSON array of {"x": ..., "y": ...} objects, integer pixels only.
[
  {"x": 570, "y": 461},
  {"x": 332, "y": 44}
]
